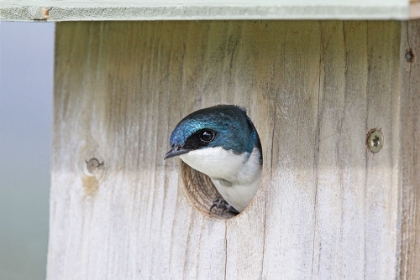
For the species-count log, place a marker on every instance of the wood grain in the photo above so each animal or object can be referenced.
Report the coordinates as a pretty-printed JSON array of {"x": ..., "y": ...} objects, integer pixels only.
[
  {"x": 409, "y": 229},
  {"x": 66, "y": 10},
  {"x": 327, "y": 208}
]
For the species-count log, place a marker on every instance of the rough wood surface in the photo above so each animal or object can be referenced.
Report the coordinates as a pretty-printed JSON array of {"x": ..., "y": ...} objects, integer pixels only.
[
  {"x": 66, "y": 10},
  {"x": 409, "y": 235},
  {"x": 327, "y": 207}
]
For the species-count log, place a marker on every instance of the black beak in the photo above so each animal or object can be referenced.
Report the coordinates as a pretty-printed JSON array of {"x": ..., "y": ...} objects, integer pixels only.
[{"x": 176, "y": 151}]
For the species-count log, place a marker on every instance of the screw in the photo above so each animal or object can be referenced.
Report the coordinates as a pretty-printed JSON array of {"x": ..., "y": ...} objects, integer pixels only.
[
  {"x": 409, "y": 55},
  {"x": 375, "y": 140}
]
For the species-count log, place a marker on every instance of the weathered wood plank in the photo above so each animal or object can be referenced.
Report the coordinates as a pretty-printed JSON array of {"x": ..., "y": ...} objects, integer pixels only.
[
  {"x": 327, "y": 207},
  {"x": 409, "y": 227},
  {"x": 65, "y": 10}
]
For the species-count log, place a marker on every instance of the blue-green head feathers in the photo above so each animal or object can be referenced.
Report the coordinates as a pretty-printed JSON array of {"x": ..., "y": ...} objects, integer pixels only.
[{"x": 226, "y": 126}]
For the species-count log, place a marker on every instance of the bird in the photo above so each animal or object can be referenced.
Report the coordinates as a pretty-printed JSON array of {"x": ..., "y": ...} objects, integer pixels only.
[{"x": 222, "y": 142}]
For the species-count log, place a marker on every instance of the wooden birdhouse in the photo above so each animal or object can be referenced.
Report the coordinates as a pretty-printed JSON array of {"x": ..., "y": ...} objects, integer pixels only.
[{"x": 333, "y": 88}]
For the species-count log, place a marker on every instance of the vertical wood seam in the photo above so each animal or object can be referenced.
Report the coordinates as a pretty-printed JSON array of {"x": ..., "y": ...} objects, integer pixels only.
[
  {"x": 366, "y": 158},
  {"x": 187, "y": 247},
  {"x": 316, "y": 153},
  {"x": 226, "y": 252},
  {"x": 343, "y": 114},
  {"x": 409, "y": 211}
]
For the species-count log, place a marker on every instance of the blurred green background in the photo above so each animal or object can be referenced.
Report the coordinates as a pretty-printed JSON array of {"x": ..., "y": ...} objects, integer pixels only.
[{"x": 26, "y": 85}]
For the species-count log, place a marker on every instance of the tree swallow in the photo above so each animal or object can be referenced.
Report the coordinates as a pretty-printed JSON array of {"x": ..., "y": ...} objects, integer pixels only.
[{"x": 221, "y": 142}]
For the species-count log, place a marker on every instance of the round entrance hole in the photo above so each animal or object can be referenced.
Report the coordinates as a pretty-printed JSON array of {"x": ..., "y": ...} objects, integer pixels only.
[{"x": 221, "y": 159}]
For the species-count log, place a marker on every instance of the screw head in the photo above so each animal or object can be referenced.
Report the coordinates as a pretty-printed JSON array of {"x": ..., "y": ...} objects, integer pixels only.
[{"x": 375, "y": 140}]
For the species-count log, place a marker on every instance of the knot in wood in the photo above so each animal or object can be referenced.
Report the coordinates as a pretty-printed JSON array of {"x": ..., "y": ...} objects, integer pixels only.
[{"x": 93, "y": 165}]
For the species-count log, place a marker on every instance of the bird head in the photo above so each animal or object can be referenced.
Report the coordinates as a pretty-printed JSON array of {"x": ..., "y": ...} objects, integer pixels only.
[{"x": 225, "y": 126}]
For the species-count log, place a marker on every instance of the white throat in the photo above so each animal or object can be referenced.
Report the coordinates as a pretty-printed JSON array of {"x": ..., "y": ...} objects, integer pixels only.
[{"x": 236, "y": 177}]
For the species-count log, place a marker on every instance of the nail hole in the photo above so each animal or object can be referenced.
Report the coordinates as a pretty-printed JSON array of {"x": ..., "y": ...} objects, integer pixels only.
[{"x": 409, "y": 55}]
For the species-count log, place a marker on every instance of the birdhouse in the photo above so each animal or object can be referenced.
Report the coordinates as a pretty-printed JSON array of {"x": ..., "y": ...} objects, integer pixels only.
[{"x": 333, "y": 89}]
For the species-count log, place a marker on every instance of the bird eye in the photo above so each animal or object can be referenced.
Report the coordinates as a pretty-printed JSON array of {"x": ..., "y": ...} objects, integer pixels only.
[{"x": 207, "y": 135}]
